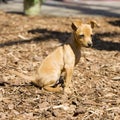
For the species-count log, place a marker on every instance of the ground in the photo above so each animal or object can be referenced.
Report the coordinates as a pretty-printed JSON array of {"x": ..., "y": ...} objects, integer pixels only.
[{"x": 26, "y": 41}]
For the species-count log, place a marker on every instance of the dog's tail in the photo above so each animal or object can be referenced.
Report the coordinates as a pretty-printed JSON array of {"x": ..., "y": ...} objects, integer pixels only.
[{"x": 26, "y": 77}]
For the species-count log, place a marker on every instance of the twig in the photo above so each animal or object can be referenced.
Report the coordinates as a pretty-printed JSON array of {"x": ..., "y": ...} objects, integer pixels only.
[
  {"x": 22, "y": 37},
  {"x": 116, "y": 78}
]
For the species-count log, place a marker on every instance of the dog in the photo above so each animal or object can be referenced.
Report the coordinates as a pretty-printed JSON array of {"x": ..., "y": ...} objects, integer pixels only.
[{"x": 61, "y": 62}]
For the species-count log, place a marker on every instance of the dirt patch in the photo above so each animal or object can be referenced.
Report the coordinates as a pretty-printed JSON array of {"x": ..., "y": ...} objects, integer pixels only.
[{"x": 26, "y": 41}]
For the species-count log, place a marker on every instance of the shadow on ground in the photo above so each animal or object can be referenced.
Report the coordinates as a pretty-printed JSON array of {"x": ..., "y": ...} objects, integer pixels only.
[
  {"x": 115, "y": 23},
  {"x": 46, "y": 35},
  {"x": 99, "y": 44},
  {"x": 15, "y": 12}
]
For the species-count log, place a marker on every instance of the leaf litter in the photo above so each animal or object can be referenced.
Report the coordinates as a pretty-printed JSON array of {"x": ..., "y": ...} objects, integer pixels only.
[{"x": 26, "y": 41}]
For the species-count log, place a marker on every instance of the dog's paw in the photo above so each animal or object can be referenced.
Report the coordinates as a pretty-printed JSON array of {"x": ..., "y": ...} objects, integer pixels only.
[
  {"x": 59, "y": 88},
  {"x": 67, "y": 90}
]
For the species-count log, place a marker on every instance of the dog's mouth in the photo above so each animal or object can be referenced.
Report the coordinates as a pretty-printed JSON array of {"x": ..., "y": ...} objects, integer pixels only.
[{"x": 87, "y": 46}]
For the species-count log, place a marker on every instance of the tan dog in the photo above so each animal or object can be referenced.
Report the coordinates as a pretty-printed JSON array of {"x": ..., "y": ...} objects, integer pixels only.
[{"x": 61, "y": 62}]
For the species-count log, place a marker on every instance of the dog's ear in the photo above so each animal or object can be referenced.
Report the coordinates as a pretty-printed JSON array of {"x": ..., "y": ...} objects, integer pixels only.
[
  {"x": 93, "y": 24},
  {"x": 75, "y": 25}
]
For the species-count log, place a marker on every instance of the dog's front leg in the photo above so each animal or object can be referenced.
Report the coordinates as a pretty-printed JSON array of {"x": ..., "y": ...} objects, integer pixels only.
[
  {"x": 69, "y": 62},
  {"x": 69, "y": 72}
]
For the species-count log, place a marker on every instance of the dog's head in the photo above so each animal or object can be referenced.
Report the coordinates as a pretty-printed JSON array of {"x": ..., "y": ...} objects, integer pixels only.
[{"x": 83, "y": 32}]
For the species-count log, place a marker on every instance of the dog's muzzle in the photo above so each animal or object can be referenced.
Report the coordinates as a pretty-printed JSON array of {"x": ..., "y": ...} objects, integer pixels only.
[{"x": 90, "y": 44}]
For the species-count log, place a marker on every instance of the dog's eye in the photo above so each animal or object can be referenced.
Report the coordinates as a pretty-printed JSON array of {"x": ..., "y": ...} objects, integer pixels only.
[{"x": 81, "y": 36}]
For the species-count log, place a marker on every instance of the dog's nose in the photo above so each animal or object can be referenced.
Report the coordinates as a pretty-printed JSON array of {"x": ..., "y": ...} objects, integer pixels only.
[{"x": 90, "y": 44}]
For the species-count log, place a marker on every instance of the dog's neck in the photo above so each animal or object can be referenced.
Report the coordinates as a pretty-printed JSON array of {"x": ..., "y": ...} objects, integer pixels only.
[
  {"x": 73, "y": 42},
  {"x": 75, "y": 47}
]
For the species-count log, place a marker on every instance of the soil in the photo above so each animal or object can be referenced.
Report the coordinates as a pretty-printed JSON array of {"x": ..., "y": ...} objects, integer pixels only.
[{"x": 26, "y": 41}]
